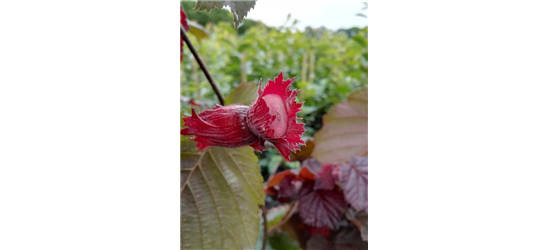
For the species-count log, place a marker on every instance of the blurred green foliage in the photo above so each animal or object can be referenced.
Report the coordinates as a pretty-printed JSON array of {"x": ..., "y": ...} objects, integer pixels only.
[{"x": 327, "y": 65}]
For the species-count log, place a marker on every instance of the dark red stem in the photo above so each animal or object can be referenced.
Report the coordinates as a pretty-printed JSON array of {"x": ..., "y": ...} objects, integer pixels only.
[{"x": 202, "y": 65}]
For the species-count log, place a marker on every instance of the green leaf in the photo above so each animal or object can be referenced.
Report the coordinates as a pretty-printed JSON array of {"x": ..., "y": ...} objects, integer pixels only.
[
  {"x": 239, "y": 8},
  {"x": 276, "y": 241},
  {"x": 345, "y": 130},
  {"x": 221, "y": 193},
  {"x": 293, "y": 164},
  {"x": 244, "y": 94},
  {"x": 197, "y": 30},
  {"x": 282, "y": 241},
  {"x": 276, "y": 214}
]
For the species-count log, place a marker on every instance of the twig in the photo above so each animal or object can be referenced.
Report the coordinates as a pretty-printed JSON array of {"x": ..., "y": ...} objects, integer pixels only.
[
  {"x": 264, "y": 212},
  {"x": 273, "y": 173},
  {"x": 286, "y": 218},
  {"x": 202, "y": 65}
]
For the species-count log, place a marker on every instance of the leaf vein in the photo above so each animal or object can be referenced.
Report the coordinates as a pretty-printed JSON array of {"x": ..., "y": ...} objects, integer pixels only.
[
  {"x": 234, "y": 194},
  {"x": 199, "y": 217}
]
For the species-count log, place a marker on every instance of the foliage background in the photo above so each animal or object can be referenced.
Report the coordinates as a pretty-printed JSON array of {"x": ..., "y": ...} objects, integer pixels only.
[{"x": 327, "y": 66}]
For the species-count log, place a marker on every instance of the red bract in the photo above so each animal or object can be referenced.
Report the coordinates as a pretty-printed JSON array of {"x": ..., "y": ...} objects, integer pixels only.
[
  {"x": 221, "y": 126},
  {"x": 273, "y": 118},
  {"x": 186, "y": 26}
]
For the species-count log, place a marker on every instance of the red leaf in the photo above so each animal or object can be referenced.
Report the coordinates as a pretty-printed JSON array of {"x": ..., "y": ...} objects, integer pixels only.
[
  {"x": 271, "y": 191},
  {"x": 336, "y": 172},
  {"x": 194, "y": 103},
  {"x": 184, "y": 19},
  {"x": 312, "y": 231},
  {"x": 221, "y": 126},
  {"x": 288, "y": 187},
  {"x": 273, "y": 116},
  {"x": 306, "y": 174},
  {"x": 354, "y": 182},
  {"x": 185, "y": 26},
  {"x": 278, "y": 177},
  {"x": 346, "y": 238},
  {"x": 320, "y": 208},
  {"x": 324, "y": 178}
]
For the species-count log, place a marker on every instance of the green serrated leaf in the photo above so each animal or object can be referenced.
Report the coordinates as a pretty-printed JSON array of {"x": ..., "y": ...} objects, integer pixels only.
[
  {"x": 344, "y": 132},
  {"x": 239, "y": 8},
  {"x": 221, "y": 190}
]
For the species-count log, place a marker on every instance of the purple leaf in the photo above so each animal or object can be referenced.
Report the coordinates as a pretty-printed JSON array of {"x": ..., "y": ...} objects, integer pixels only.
[
  {"x": 312, "y": 164},
  {"x": 354, "y": 182},
  {"x": 344, "y": 131},
  {"x": 324, "y": 179},
  {"x": 287, "y": 188},
  {"x": 321, "y": 208}
]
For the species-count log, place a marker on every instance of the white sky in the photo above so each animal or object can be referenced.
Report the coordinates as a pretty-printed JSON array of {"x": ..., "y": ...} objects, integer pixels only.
[{"x": 330, "y": 14}]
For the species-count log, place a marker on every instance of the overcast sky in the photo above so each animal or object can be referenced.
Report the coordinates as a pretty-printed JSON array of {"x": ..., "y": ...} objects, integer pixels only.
[{"x": 330, "y": 14}]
